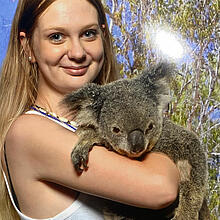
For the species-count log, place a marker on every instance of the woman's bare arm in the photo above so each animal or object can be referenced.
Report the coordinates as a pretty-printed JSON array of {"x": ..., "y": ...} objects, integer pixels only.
[{"x": 41, "y": 149}]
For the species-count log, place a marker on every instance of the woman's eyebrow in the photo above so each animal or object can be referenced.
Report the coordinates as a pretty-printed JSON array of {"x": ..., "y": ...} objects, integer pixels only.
[{"x": 61, "y": 28}]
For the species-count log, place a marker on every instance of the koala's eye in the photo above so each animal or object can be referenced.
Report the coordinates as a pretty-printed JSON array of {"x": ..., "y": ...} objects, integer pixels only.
[
  {"x": 116, "y": 130},
  {"x": 150, "y": 127}
]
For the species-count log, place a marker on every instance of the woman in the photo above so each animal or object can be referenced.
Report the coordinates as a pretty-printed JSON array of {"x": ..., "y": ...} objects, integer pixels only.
[{"x": 57, "y": 46}]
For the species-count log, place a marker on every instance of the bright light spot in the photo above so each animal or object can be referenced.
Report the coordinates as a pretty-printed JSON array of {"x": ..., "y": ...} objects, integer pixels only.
[{"x": 168, "y": 44}]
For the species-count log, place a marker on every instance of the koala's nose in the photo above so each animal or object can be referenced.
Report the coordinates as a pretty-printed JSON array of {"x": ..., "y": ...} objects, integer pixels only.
[{"x": 136, "y": 141}]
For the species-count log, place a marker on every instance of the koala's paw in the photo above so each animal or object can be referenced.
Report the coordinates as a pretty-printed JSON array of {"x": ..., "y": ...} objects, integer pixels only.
[{"x": 80, "y": 157}]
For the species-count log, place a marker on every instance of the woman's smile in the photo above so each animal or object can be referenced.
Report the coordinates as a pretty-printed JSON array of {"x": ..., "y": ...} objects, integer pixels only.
[{"x": 75, "y": 70}]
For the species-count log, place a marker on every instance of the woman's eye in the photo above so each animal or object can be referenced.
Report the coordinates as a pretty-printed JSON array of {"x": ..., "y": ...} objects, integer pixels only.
[
  {"x": 56, "y": 38},
  {"x": 90, "y": 34}
]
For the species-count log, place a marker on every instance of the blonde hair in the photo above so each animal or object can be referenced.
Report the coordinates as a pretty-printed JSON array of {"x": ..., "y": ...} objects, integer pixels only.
[{"x": 19, "y": 77}]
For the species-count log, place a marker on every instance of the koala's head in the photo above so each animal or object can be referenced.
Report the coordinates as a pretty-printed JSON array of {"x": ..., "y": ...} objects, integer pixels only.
[
  {"x": 131, "y": 125},
  {"x": 127, "y": 113}
]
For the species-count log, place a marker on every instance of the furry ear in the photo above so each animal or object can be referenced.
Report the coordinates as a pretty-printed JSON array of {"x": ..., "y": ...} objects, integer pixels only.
[
  {"x": 157, "y": 79},
  {"x": 161, "y": 71},
  {"x": 84, "y": 103},
  {"x": 162, "y": 77}
]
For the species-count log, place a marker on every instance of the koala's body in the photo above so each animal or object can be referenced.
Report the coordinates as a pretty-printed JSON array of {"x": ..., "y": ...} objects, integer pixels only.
[{"x": 127, "y": 116}]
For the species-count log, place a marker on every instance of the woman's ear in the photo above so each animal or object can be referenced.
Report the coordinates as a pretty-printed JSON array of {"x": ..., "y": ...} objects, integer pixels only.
[
  {"x": 103, "y": 29},
  {"x": 26, "y": 47}
]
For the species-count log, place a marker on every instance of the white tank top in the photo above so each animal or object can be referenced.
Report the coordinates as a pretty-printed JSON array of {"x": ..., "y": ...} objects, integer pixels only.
[{"x": 85, "y": 207}]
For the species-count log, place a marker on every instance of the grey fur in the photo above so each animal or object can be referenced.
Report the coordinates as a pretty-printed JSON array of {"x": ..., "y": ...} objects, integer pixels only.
[{"x": 127, "y": 116}]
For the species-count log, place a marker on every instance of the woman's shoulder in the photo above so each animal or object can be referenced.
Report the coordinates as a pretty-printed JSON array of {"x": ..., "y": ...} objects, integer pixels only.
[
  {"x": 33, "y": 130},
  {"x": 27, "y": 124},
  {"x": 24, "y": 126},
  {"x": 35, "y": 140}
]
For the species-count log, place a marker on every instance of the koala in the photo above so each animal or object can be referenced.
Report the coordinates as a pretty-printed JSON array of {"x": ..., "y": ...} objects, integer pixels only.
[{"x": 126, "y": 116}]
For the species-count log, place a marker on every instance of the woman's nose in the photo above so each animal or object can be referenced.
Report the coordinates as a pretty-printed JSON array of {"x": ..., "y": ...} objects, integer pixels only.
[{"x": 76, "y": 51}]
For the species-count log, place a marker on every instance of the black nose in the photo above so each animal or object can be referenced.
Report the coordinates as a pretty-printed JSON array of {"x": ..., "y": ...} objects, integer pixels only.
[{"x": 136, "y": 141}]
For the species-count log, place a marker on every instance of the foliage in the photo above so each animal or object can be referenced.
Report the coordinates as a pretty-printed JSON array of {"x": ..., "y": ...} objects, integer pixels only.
[{"x": 195, "y": 89}]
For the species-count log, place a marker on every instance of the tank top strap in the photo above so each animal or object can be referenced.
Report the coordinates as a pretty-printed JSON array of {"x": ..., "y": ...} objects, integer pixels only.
[{"x": 63, "y": 124}]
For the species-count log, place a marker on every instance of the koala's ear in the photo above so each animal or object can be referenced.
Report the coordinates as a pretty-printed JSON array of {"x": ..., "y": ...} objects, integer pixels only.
[
  {"x": 160, "y": 72},
  {"x": 161, "y": 77},
  {"x": 157, "y": 80},
  {"x": 86, "y": 100}
]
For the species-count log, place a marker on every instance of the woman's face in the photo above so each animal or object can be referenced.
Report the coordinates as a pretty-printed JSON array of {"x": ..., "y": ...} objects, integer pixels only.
[{"x": 67, "y": 46}]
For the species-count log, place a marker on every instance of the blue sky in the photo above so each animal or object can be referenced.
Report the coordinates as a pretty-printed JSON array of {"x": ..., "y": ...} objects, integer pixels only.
[{"x": 7, "y": 11}]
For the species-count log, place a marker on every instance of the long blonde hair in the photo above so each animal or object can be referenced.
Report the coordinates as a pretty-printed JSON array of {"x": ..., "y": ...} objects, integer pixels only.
[{"x": 19, "y": 77}]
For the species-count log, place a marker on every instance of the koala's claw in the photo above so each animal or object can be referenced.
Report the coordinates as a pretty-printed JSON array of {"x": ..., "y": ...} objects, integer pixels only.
[
  {"x": 80, "y": 160},
  {"x": 80, "y": 164},
  {"x": 79, "y": 169}
]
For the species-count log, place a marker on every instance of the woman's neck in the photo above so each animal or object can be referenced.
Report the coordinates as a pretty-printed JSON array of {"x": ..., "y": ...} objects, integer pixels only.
[{"x": 53, "y": 105}]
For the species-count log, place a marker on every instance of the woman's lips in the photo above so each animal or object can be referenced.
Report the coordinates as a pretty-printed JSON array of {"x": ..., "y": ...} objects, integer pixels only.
[{"x": 75, "y": 70}]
